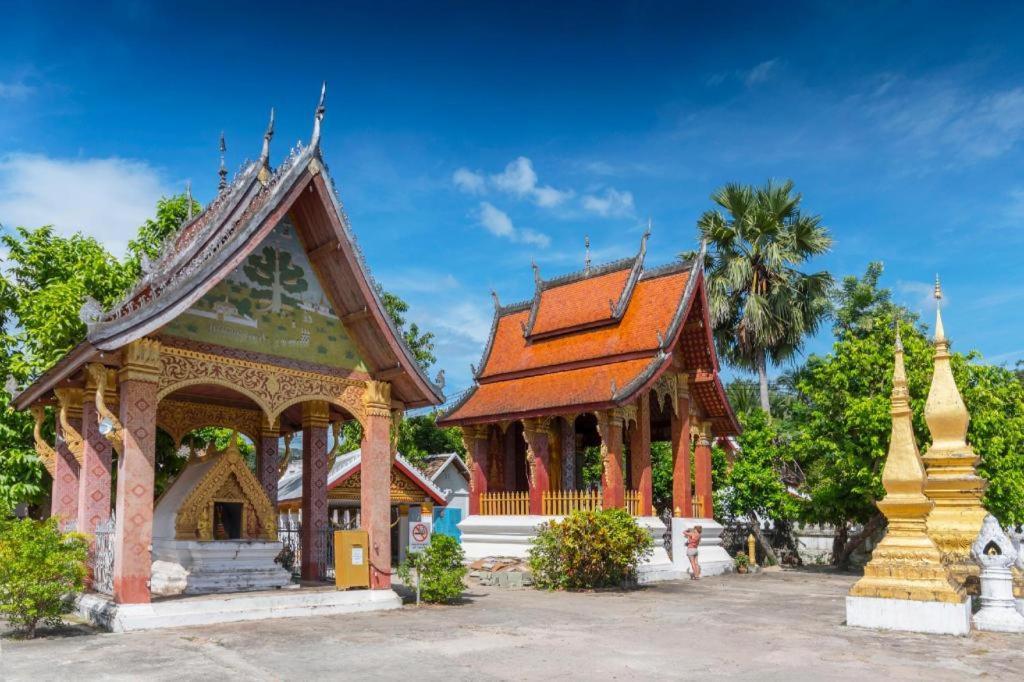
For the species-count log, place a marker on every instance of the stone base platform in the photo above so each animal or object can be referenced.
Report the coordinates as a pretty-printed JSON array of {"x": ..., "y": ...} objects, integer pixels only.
[
  {"x": 510, "y": 536},
  {"x": 101, "y": 611},
  {"x": 711, "y": 556},
  {"x": 911, "y": 616}
]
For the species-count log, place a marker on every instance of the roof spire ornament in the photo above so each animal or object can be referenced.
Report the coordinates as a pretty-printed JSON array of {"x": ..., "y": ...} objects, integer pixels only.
[
  {"x": 586, "y": 258},
  {"x": 318, "y": 116},
  {"x": 953, "y": 482},
  {"x": 264, "y": 173},
  {"x": 188, "y": 200},
  {"x": 536, "y": 273},
  {"x": 644, "y": 238},
  {"x": 906, "y": 564},
  {"x": 223, "y": 172},
  {"x": 494, "y": 296}
]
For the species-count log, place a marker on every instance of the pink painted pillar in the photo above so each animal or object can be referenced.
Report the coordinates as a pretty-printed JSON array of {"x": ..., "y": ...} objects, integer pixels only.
[
  {"x": 94, "y": 482},
  {"x": 314, "y": 487},
  {"x": 609, "y": 424},
  {"x": 267, "y": 464},
  {"x": 538, "y": 459},
  {"x": 66, "y": 472},
  {"x": 133, "y": 526},
  {"x": 375, "y": 481},
  {"x": 474, "y": 438}
]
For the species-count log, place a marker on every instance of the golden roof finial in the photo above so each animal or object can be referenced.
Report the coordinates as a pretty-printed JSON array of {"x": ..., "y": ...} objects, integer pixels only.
[{"x": 940, "y": 332}]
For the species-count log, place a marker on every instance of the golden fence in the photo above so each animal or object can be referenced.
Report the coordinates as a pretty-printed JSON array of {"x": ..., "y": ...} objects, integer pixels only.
[
  {"x": 633, "y": 502},
  {"x": 505, "y": 504},
  {"x": 562, "y": 502},
  {"x": 698, "y": 507}
]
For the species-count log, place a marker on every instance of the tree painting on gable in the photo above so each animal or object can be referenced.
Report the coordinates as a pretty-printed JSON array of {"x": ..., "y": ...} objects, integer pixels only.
[{"x": 272, "y": 303}]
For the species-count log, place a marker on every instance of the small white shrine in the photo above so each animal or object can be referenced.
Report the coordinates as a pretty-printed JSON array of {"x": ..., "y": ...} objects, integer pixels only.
[{"x": 214, "y": 530}]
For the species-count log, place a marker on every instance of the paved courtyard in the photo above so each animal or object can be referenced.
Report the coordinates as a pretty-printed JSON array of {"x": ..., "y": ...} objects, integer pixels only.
[{"x": 784, "y": 625}]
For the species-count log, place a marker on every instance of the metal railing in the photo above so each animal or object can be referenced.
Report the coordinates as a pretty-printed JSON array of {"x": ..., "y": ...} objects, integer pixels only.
[
  {"x": 101, "y": 557},
  {"x": 289, "y": 533}
]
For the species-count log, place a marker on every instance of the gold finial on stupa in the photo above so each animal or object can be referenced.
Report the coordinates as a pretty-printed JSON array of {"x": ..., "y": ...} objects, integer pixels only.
[
  {"x": 906, "y": 564},
  {"x": 953, "y": 482}
]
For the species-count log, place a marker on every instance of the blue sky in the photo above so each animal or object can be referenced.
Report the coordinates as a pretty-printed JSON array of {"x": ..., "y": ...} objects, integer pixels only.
[{"x": 467, "y": 139}]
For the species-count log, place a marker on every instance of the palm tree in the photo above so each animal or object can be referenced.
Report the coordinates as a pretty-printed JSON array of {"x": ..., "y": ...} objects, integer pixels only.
[{"x": 761, "y": 305}]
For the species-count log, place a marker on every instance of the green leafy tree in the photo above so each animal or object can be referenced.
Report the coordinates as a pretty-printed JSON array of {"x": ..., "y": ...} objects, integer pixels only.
[
  {"x": 438, "y": 571},
  {"x": 171, "y": 214},
  {"x": 762, "y": 305},
  {"x": 274, "y": 270},
  {"x": 39, "y": 565},
  {"x": 421, "y": 343}
]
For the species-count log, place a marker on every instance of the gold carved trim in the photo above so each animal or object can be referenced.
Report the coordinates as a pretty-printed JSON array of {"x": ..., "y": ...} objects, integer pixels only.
[
  {"x": 108, "y": 423},
  {"x": 377, "y": 399},
  {"x": 179, "y": 418},
  {"x": 666, "y": 391},
  {"x": 195, "y": 515},
  {"x": 47, "y": 455},
  {"x": 403, "y": 489},
  {"x": 140, "y": 361},
  {"x": 271, "y": 387},
  {"x": 70, "y": 400},
  {"x": 286, "y": 458},
  {"x": 315, "y": 413}
]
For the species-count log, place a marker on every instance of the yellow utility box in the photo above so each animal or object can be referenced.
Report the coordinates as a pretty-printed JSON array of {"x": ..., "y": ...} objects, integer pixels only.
[{"x": 351, "y": 559}]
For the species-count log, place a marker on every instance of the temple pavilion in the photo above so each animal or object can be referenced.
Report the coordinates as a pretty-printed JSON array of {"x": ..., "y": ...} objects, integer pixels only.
[
  {"x": 260, "y": 315},
  {"x": 611, "y": 356}
]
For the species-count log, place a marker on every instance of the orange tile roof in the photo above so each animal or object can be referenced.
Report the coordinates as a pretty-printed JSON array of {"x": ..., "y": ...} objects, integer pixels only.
[
  {"x": 579, "y": 303},
  {"x": 566, "y": 388},
  {"x": 650, "y": 310}
]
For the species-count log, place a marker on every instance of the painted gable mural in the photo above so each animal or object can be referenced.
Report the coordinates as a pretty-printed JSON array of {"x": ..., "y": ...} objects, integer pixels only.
[{"x": 272, "y": 303}]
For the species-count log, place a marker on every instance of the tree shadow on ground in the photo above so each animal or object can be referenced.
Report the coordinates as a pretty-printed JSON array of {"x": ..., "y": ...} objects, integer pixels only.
[{"x": 67, "y": 628}]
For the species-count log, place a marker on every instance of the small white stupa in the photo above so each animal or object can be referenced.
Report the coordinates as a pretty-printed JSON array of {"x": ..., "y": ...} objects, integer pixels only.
[{"x": 214, "y": 530}]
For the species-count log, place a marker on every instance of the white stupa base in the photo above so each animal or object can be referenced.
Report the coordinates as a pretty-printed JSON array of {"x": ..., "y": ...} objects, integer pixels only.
[
  {"x": 932, "y": 617},
  {"x": 1020, "y": 606},
  {"x": 193, "y": 567},
  {"x": 711, "y": 556},
  {"x": 510, "y": 536},
  {"x": 102, "y": 612}
]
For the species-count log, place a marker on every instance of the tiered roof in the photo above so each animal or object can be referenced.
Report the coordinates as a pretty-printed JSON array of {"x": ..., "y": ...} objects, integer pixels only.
[
  {"x": 211, "y": 245},
  {"x": 595, "y": 339}
]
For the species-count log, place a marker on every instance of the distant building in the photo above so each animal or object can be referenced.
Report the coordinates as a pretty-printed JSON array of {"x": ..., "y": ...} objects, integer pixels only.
[{"x": 449, "y": 473}]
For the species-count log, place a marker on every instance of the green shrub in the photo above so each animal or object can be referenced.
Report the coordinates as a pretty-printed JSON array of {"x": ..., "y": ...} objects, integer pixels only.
[
  {"x": 439, "y": 570},
  {"x": 589, "y": 549},
  {"x": 38, "y": 566},
  {"x": 741, "y": 560}
]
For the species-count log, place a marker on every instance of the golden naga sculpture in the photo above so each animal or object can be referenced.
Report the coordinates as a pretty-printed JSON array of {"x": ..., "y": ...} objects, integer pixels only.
[
  {"x": 286, "y": 458},
  {"x": 906, "y": 564},
  {"x": 109, "y": 425},
  {"x": 47, "y": 455},
  {"x": 953, "y": 483},
  {"x": 70, "y": 400}
]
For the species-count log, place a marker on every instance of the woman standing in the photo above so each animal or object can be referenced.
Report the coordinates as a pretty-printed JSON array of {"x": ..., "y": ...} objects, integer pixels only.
[{"x": 692, "y": 543}]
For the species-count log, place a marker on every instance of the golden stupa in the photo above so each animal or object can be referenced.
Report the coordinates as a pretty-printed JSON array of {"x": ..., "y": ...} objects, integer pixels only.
[
  {"x": 906, "y": 564},
  {"x": 953, "y": 482}
]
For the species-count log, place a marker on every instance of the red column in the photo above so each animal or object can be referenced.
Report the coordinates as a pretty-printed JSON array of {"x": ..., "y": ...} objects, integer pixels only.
[
  {"x": 268, "y": 461},
  {"x": 94, "y": 482},
  {"x": 609, "y": 426},
  {"x": 474, "y": 438},
  {"x": 538, "y": 459},
  {"x": 640, "y": 455},
  {"x": 568, "y": 426},
  {"x": 133, "y": 527},
  {"x": 682, "y": 493},
  {"x": 702, "y": 470},
  {"x": 67, "y": 467},
  {"x": 314, "y": 487},
  {"x": 375, "y": 472}
]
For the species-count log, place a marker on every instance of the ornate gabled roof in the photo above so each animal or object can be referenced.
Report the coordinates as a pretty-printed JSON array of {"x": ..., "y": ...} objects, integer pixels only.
[
  {"x": 212, "y": 244},
  {"x": 574, "y": 357},
  {"x": 289, "y": 488}
]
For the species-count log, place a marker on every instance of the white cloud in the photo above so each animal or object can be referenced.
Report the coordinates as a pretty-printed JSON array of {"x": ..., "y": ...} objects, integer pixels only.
[
  {"x": 469, "y": 181},
  {"x": 920, "y": 296},
  {"x": 611, "y": 203},
  {"x": 520, "y": 180},
  {"x": 419, "y": 280},
  {"x": 15, "y": 90},
  {"x": 104, "y": 198},
  {"x": 761, "y": 72},
  {"x": 497, "y": 222}
]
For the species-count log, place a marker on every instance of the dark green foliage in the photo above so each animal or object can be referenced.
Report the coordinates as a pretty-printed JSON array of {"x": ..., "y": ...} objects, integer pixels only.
[
  {"x": 439, "y": 570},
  {"x": 39, "y": 565},
  {"x": 420, "y": 343},
  {"x": 589, "y": 549}
]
